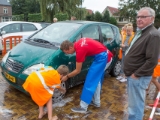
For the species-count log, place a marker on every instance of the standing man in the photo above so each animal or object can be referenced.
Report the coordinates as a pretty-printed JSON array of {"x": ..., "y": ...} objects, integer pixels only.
[
  {"x": 88, "y": 47},
  {"x": 73, "y": 18},
  {"x": 140, "y": 60}
]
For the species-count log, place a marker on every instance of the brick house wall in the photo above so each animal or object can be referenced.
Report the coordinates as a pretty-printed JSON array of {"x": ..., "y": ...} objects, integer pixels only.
[{"x": 5, "y": 11}]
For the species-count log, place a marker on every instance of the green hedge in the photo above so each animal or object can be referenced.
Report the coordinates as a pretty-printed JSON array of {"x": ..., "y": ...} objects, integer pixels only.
[
  {"x": 18, "y": 17},
  {"x": 35, "y": 17},
  {"x": 61, "y": 16}
]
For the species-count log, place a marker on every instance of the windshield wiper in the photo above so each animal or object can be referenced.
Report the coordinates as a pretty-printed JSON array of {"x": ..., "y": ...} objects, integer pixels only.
[{"x": 42, "y": 41}]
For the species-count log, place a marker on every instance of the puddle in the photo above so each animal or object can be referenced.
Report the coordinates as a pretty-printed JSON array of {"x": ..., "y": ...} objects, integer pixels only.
[
  {"x": 62, "y": 102},
  {"x": 22, "y": 118},
  {"x": 71, "y": 117},
  {"x": 5, "y": 112}
]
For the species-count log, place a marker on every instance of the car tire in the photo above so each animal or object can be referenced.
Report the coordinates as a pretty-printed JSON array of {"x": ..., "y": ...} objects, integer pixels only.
[
  {"x": 116, "y": 69},
  {"x": 57, "y": 95}
]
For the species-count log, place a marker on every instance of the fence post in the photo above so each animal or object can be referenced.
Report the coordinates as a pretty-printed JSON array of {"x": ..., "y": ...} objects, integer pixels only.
[{"x": 10, "y": 39}]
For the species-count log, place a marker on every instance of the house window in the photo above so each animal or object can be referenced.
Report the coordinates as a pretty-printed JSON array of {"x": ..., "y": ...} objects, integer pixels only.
[
  {"x": 5, "y": 10},
  {"x": 120, "y": 19},
  {"x": 4, "y": 19}
]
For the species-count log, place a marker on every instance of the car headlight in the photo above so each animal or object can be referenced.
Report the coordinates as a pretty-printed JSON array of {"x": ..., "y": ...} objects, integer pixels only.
[
  {"x": 5, "y": 57},
  {"x": 33, "y": 68}
]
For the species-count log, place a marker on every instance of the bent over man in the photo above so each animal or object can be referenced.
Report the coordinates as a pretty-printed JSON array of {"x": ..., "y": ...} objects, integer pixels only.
[{"x": 88, "y": 47}]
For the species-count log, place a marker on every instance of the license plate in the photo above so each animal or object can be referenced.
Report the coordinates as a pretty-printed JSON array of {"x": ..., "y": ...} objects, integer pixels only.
[{"x": 9, "y": 77}]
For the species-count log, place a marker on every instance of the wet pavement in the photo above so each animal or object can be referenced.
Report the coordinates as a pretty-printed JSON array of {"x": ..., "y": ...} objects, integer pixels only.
[{"x": 15, "y": 105}]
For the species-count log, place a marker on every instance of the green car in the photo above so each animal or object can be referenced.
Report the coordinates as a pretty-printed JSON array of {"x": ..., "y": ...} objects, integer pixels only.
[{"x": 43, "y": 48}]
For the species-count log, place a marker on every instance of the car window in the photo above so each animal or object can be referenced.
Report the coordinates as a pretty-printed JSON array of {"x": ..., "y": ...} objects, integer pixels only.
[
  {"x": 57, "y": 32},
  {"x": 28, "y": 27},
  {"x": 12, "y": 28},
  {"x": 107, "y": 33},
  {"x": 91, "y": 32}
]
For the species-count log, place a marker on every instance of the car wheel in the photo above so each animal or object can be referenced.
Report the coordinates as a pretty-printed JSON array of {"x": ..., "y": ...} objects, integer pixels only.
[
  {"x": 116, "y": 69},
  {"x": 58, "y": 95}
]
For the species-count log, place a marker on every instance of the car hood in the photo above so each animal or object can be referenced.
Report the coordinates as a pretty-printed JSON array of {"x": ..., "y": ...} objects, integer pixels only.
[{"x": 29, "y": 55}]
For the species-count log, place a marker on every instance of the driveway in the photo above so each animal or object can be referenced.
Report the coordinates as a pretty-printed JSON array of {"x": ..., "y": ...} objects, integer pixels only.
[{"x": 15, "y": 105}]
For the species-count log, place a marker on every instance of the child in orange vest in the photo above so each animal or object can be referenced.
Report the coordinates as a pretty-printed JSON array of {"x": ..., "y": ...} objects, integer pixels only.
[
  {"x": 126, "y": 40},
  {"x": 155, "y": 75},
  {"x": 41, "y": 84}
]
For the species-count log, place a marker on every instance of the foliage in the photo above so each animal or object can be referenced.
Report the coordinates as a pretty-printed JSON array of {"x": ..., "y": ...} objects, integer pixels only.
[
  {"x": 90, "y": 17},
  {"x": 31, "y": 17},
  {"x": 129, "y": 8},
  {"x": 80, "y": 14},
  {"x": 18, "y": 17},
  {"x": 61, "y": 16},
  {"x": 106, "y": 17},
  {"x": 35, "y": 17},
  {"x": 113, "y": 21},
  {"x": 98, "y": 16},
  {"x": 25, "y": 7},
  {"x": 50, "y": 7}
]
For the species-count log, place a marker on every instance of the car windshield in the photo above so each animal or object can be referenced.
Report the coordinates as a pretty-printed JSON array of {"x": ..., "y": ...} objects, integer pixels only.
[
  {"x": 44, "y": 24},
  {"x": 57, "y": 32}
]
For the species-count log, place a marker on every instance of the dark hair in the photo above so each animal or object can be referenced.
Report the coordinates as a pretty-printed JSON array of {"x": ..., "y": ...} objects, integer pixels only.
[{"x": 65, "y": 45}]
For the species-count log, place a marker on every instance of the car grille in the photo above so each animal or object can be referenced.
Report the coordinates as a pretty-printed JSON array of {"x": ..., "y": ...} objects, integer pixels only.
[{"x": 13, "y": 65}]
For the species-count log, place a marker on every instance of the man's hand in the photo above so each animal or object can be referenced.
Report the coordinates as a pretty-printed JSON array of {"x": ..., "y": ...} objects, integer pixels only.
[
  {"x": 133, "y": 76},
  {"x": 64, "y": 78}
]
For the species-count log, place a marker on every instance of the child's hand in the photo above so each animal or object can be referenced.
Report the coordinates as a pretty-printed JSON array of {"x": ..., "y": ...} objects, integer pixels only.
[
  {"x": 63, "y": 90},
  {"x": 122, "y": 45}
]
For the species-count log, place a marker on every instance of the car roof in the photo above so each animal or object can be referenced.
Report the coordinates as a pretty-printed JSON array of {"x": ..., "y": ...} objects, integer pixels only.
[
  {"x": 84, "y": 22},
  {"x": 2, "y": 24},
  {"x": 10, "y": 22},
  {"x": 80, "y": 21}
]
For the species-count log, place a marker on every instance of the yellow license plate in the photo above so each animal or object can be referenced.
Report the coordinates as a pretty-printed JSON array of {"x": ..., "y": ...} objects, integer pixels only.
[{"x": 9, "y": 77}]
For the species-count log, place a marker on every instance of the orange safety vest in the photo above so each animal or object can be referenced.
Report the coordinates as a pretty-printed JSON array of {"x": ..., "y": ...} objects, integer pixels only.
[
  {"x": 41, "y": 84},
  {"x": 123, "y": 33}
]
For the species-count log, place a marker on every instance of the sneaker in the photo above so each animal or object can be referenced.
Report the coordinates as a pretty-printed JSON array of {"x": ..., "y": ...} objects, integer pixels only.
[
  {"x": 123, "y": 80},
  {"x": 119, "y": 78},
  {"x": 79, "y": 110},
  {"x": 95, "y": 105}
]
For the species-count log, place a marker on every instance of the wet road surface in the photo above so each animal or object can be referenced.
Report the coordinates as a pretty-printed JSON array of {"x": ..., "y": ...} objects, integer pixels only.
[{"x": 15, "y": 105}]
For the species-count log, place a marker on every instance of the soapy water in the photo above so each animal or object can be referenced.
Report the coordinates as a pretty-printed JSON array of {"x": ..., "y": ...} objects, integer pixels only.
[
  {"x": 62, "y": 102},
  {"x": 5, "y": 112}
]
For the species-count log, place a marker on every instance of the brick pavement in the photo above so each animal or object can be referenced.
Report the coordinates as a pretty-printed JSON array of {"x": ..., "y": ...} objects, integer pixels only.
[{"x": 15, "y": 105}]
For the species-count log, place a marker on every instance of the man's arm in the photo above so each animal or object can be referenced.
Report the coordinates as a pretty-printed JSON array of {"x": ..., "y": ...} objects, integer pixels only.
[
  {"x": 74, "y": 72},
  {"x": 152, "y": 53}
]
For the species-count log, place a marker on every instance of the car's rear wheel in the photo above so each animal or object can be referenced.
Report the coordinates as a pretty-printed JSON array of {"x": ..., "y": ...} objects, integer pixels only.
[
  {"x": 58, "y": 95},
  {"x": 116, "y": 69}
]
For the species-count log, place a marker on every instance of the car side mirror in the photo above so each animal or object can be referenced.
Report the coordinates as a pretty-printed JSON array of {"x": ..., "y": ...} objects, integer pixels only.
[{"x": 3, "y": 32}]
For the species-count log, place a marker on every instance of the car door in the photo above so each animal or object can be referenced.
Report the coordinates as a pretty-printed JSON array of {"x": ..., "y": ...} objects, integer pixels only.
[{"x": 91, "y": 31}]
